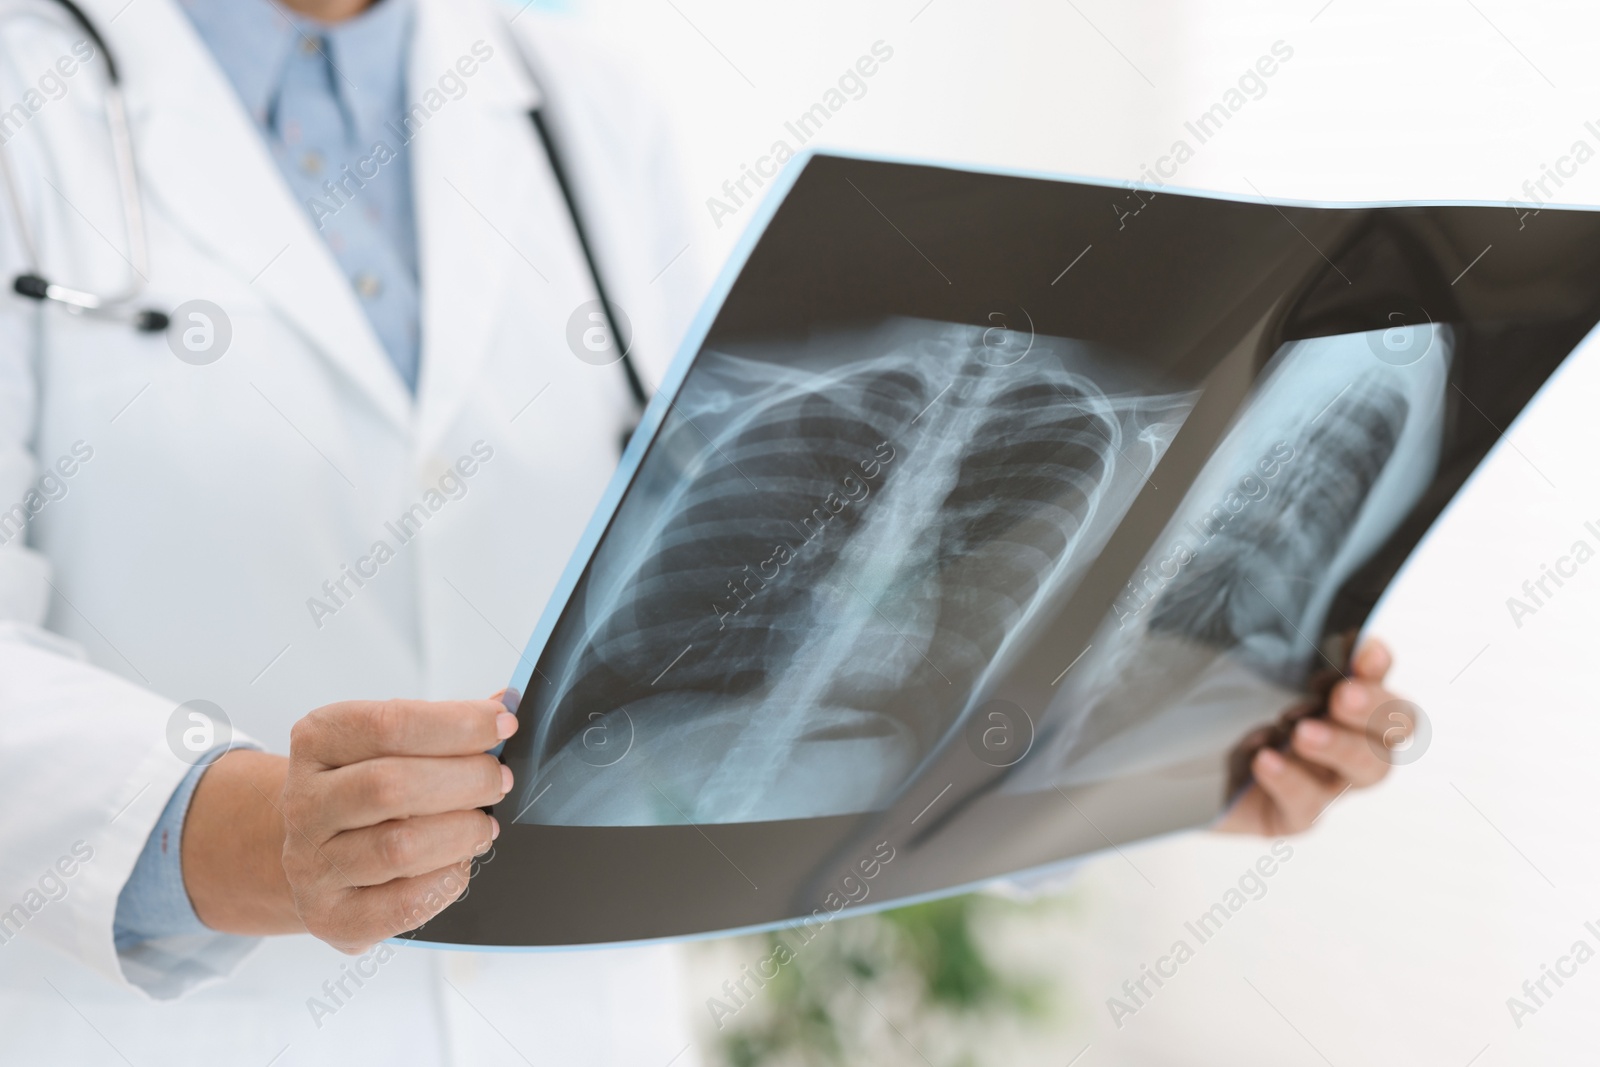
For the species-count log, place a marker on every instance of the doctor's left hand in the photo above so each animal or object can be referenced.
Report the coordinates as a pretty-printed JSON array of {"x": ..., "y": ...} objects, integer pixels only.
[
  {"x": 1326, "y": 755},
  {"x": 367, "y": 830}
]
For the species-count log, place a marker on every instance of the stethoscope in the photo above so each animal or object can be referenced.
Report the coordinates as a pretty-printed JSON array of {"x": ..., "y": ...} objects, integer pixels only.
[{"x": 119, "y": 306}]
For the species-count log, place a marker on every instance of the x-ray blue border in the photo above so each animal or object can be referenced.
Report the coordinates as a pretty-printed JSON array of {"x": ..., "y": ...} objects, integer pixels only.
[{"x": 684, "y": 360}]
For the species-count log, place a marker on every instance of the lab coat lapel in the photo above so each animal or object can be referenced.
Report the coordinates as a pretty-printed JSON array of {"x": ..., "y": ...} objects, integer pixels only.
[
  {"x": 205, "y": 167},
  {"x": 470, "y": 157}
]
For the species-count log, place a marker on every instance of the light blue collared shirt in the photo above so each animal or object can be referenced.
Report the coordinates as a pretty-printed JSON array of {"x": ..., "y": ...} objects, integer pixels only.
[
  {"x": 330, "y": 103},
  {"x": 153, "y": 902}
]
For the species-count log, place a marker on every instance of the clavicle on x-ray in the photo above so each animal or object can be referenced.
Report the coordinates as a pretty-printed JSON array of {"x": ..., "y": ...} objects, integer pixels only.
[
  {"x": 854, "y": 534},
  {"x": 996, "y": 536}
]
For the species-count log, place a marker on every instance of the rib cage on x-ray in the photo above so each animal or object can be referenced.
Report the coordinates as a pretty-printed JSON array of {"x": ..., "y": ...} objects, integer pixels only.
[
  {"x": 929, "y": 498},
  {"x": 1248, "y": 587},
  {"x": 1242, "y": 600}
]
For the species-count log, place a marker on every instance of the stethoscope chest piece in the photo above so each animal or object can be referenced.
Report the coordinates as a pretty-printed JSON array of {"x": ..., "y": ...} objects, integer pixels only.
[
  {"x": 32, "y": 283},
  {"x": 37, "y": 287}
]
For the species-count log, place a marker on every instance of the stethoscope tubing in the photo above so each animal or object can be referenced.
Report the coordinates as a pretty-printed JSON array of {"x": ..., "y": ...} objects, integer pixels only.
[{"x": 35, "y": 286}]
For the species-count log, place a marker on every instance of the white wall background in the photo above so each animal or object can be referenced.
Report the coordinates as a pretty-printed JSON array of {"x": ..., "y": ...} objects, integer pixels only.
[{"x": 1410, "y": 914}]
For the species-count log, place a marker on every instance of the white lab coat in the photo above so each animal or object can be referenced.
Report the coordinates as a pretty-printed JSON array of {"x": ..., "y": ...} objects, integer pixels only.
[{"x": 179, "y": 559}]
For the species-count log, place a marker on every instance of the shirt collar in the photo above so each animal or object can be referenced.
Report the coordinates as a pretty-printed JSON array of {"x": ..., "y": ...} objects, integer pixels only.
[{"x": 252, "y": 40}]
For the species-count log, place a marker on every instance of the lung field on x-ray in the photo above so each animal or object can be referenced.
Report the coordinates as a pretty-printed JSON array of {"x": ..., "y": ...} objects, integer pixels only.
[
  {"x": 1248, "y": 587},
  {"x": 1215, "y": 632},
  {"x": 816, "y": 565}
]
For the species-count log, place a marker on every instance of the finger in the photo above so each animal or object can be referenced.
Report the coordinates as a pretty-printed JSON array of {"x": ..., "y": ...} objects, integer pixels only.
[
  {"x": 1298, "y": 792},
  {"x": 1372, "y": 660},
  {"x": 354, "y": 730},
  {"x": 405, "y": 848},
  {"x": 398, "y": 787},
  {"x": 1345, "y": 752},
  {"x": 1353, "y": 701},
  {"x": 312, "y": 873},
  {"x": 1373, "y": 710},
  {"x": 367, "y": 916}
]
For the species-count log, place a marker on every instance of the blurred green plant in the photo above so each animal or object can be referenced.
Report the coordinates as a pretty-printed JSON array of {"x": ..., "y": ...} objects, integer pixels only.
[{"x": 916, "y": 985}]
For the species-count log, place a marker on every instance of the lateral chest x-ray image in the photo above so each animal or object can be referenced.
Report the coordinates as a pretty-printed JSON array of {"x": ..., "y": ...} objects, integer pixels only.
[{"x": 925, "y": 550}]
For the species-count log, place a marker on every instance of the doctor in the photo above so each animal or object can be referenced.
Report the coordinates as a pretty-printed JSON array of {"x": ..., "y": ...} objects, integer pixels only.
[{"x": 353, "y": 467}]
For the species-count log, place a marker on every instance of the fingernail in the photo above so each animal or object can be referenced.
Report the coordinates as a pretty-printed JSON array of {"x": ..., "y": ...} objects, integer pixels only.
[
  {"x": 1269, "y": 762},
  {"x": 1314, "y": 733},
  {"x": 494, "y": 828},
  {"x": 505, "y": 724},
  {"x": 505, "y": 779}
]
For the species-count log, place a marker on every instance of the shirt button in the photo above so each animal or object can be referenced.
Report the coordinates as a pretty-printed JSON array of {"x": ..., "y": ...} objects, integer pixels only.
[
  {"x": 368, "y": 285},
  {"x": 311, "y": 163},
  {"x": 309, "y": 46}
]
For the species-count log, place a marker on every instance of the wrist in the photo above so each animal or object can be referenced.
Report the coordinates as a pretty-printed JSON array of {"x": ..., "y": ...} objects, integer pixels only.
[{"x": 233, "y": 847}]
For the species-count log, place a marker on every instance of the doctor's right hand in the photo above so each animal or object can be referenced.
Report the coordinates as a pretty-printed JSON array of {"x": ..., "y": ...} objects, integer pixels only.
[{"x": 375, "y": 821}]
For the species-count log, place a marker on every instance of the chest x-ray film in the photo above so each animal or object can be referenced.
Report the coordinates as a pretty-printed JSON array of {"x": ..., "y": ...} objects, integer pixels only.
[{"x": 981, "y": 521}]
